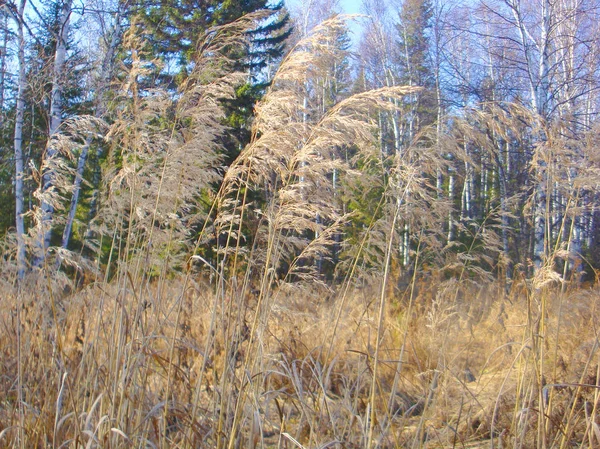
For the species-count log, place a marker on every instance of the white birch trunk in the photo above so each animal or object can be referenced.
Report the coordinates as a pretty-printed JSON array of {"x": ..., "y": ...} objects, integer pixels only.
[
  {"x": 504, "y": 212},
  {"x": 467, "y": 190},
  {"x": 576, "y": 245},
  {"x": 105, "y": 73},
  {"x": 539, "y": 230},
  {"x": 18, "y": 144},
  {"x": 406, "y": 246},
  {"x": 56, "y": 109},
  {"x": 543, "y": 89},
  {"x": 526, "y": 43},
  {"x": 539, "y": 86},
  {"x": 542, "y": 97},
  {"x": 437, "y": 30},
  {"x": 389, "y": 81},
  {"x": 485, "y": 194},
  {"x": 450, "y": 213},
  {"x": 3, "y": 57}
]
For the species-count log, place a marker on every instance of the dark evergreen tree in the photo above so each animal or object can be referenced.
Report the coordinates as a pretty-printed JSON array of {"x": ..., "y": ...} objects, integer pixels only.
[
  {"x": 413, "y": 28},
  {"x": 173, "y": 29}
]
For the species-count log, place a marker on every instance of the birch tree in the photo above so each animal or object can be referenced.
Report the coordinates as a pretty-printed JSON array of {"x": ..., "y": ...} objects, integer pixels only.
[
  {"x": 111, "y": 37},
  {"x": 554, "y": 48},
  {"x": 4, "y": 40},
  {"x": 56, "y": 112},
  {"x": 19, "y": 16}
]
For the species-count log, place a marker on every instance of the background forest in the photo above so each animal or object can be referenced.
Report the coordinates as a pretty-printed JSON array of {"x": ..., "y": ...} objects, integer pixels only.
[
  {"x": 238, "y": 224},
  {"x": 495, "y": 129}
]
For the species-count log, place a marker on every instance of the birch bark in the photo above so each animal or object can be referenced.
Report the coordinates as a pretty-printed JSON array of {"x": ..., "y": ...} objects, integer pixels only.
[
  {"x": 18, "y": 143},
  {"x": 56, "y": 110},
  {"x": 106, "y": 71}
]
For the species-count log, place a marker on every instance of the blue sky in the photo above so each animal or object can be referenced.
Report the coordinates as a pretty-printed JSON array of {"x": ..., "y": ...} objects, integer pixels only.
[
  {"x": 351, "y": 6},
  {"x": 348, "y": 7}
]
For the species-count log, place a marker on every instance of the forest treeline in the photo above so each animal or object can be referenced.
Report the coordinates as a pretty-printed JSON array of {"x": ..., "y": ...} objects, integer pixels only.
[{"x": 239, "y": 138}]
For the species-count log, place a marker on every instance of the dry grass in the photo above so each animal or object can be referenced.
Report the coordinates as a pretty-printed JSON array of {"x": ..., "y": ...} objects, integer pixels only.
[{"x": 114, "y": 367}]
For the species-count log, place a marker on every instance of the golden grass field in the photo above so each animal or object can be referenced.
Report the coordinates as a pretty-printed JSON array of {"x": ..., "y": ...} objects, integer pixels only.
[{"x": 178, "y": 364}]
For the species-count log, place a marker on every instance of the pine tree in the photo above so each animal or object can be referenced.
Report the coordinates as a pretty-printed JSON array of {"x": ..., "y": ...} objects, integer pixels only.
[{"x": 413, "y": 27}]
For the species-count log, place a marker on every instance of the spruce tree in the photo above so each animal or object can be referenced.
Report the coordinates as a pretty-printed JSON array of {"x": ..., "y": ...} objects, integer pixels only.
[{"x": 173, "y": 27}]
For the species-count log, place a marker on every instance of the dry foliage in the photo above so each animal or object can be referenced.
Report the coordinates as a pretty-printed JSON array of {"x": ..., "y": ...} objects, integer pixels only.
[{"x": 118, "y": 366}]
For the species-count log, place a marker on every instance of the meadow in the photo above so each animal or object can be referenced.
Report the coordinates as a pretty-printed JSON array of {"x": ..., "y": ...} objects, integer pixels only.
[{"x": 181, "y": 363}]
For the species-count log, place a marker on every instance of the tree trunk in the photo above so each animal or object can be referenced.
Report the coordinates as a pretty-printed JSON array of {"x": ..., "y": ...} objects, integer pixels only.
[
  {"x": 105, "y": 74},
  {"x": 3, "y": 57},
  {"x": 539, "y": 86},
  {"x": 450, "y": 213},
  {"x": 18, "y": 144},
  {"x": 539, "y": 231},
  {"x": 466, "y": 197},
  {"x": 502, "y": 179},
  {"x": 56, "y": 109}
]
